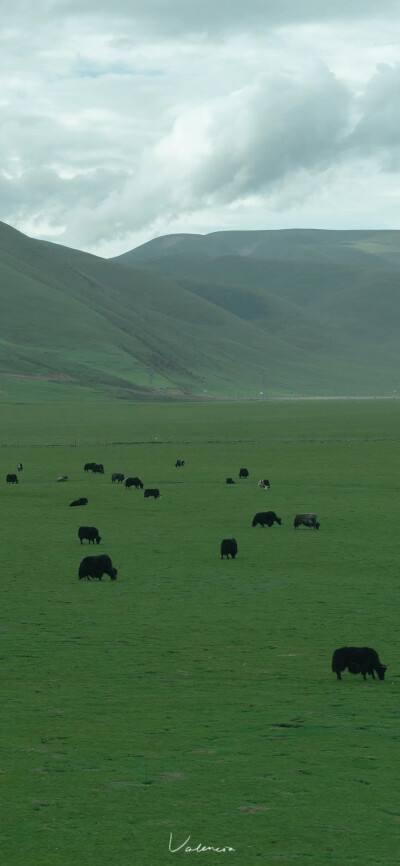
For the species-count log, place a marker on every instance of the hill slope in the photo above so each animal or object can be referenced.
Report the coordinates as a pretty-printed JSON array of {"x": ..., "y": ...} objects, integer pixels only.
[
  {"x": 190, "y": 325},
  {"x": 96, "y": 323},
  {"x": 371, "y": 248},
  {"x": 333, "y": 295}
]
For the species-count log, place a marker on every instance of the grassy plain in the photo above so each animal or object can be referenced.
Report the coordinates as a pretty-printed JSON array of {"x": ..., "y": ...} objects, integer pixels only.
[{"x": 194, "y": 696}]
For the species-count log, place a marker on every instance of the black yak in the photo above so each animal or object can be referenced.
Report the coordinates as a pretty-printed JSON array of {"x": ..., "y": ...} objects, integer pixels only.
[
  {"x": 309, "y": 520},
  {"x": 266, "y": 518},
  {"x": 96, "y": 566},
  {"x": 229, "y": 546},
  {"x": 90, "y": 533},
  {"x": 88, "y": 467},
  {"x": 230, "y": 481},
  {"x": 359, "y": 660},
  {"x": 98, "y": 468},
  {"x": 117, "y": 476},
  {"x": 81, "y": 501},
  {"x": 133, "y": 482},
  {"x": 243, "y": 473},
  {"x": 12, "y": 479},
  {"x": 152, "y": 492}
]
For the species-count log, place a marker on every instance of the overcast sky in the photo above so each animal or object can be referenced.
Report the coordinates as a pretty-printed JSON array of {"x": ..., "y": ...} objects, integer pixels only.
[{"x": 122, "y": 120}]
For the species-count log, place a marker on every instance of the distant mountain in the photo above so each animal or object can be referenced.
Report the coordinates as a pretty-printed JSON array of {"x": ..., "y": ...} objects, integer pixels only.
[
  {"x": 334, "y": 295},
  {"x": 194, "y": 324},
  {"x": 369, "y": 248}
]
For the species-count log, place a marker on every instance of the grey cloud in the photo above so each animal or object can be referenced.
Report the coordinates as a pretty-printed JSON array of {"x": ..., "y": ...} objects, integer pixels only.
[
  {"x": 222, "y": 151},
  {"x": 123, "y": 124},
  {"x": 208, "y": 16},
  {"x": 268, "y": 131},
  {"x": 182, "y": 14},
  {"x": 43, "y": 191},
  {"x": 248, "y": 144},
  {"x": 379, "y": 106}
]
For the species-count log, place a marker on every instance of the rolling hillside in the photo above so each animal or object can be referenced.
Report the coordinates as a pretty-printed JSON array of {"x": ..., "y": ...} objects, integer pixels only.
[
  {"x": 332, "y": 295},
  {"x": 193, "y": 324},
  {"x": 371, "y": 248}
]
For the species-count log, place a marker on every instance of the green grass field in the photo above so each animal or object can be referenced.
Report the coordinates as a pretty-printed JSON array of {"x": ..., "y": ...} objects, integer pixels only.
[{"x": 195, "y": 696}]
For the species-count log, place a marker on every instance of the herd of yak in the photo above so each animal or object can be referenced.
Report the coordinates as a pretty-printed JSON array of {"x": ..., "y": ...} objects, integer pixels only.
[{"x": 358, "y": 660}]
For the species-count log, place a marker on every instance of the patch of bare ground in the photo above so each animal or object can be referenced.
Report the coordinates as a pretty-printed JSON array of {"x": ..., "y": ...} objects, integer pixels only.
[{"x": 51, "y": 377}]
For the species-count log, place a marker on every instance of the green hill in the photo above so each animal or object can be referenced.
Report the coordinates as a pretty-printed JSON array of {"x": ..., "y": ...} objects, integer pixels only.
[
  {"x": 194, "y": 324},
  {"x": 340, "y": 306},
  {"x": 371, "y": 248}
]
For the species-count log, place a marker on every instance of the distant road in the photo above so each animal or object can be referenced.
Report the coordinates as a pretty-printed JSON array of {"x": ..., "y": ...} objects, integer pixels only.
[{"x": 359, "y": 397}]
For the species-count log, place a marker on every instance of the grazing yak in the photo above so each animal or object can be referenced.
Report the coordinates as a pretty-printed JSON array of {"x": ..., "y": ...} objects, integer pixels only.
[
  {"x": 20, "y": 467},
  {"x": 359, "y": 660},
  {"x": 81, "y": 501},
  {"x": 230, "y": 481},
  {"x": 266, "y": 518},
  {"x": 133, "y": 482},
  {"x": 88, "y": 467},
  {"x": 98, "y": 468},
  {"x": 90, "y": 533},
  {"x": 229, "y": 546},
  {"x": 243, "y": 473},
  {"x": 309, "y": 520},
  {"x": 152, "y": 492},
  {"x": 117, "y": 476},
  {"x": 63, "y": 478},
  {"x": 179, "y": 463},
  {"x": 96, "y": 566},
  {"x": 264, "y": 484},
  {"x": 11, "y": 479}
]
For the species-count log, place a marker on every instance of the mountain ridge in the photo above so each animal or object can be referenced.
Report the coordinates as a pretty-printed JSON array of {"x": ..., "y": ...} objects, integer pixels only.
[
  {"x": 200, "y": 325},
  {"x": 380, "y": 247}
]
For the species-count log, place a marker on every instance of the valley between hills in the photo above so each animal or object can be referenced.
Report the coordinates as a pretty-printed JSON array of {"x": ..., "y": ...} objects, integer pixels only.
[{"x": 229, "y": 315}]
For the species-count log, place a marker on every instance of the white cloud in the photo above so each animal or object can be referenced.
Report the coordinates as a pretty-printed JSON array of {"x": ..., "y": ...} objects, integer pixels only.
[{"x": 168, "y": 113}]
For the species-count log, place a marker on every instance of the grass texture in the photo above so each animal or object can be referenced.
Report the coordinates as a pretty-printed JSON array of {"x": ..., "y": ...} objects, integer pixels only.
[{"x": 194, "y": 696}]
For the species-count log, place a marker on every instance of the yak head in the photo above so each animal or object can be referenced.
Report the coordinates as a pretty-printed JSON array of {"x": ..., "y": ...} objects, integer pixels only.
[
  {"x": 113, "y": 573},
  {"x": 278, "y": 520},
  {"x": 98, "y": 539},
  {"x": 380, "y": 669}
]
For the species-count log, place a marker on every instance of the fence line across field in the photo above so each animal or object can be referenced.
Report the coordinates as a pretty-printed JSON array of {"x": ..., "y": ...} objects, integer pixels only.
[{"x": 294, "y": 441}]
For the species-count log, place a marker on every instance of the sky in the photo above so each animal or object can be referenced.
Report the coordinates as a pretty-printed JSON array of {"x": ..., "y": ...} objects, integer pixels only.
[{"x": 124, "y": 120}]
